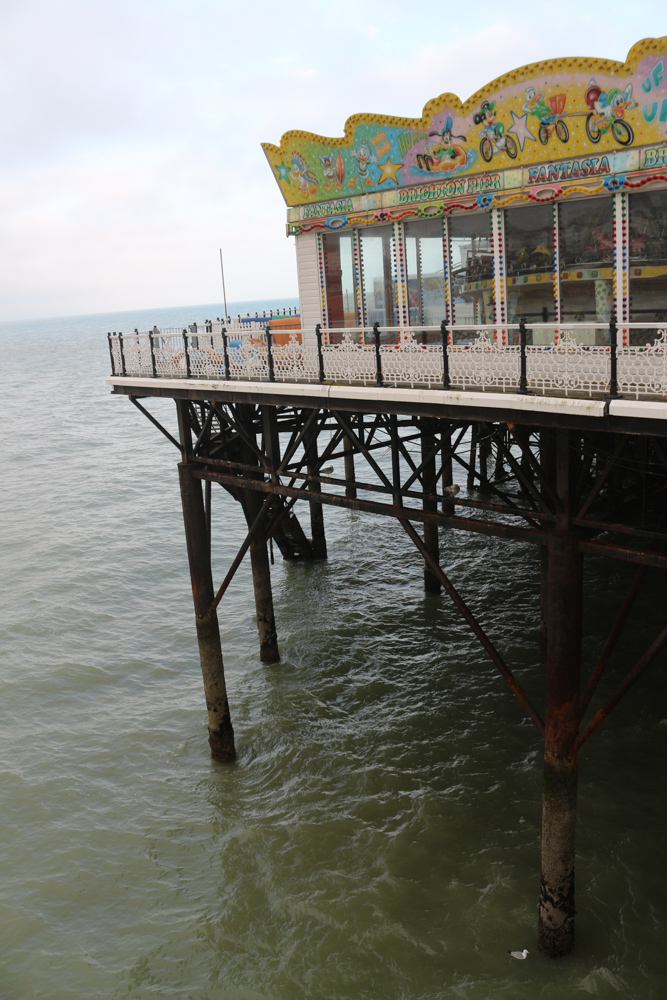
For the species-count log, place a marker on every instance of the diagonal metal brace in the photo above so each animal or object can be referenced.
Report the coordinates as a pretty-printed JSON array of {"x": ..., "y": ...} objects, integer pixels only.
[
  {"x": 640, "y": 666},
  {"x": 476, "y": 627},
  {"x": 157, "y": 423},
  {"x": 610, "y": 644}
]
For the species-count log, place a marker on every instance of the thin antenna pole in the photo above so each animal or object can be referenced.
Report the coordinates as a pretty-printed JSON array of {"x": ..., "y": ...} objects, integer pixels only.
[{"x": 224, "y": 293}]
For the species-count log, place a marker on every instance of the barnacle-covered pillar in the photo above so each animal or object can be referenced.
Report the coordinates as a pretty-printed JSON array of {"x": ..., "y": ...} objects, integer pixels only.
[
  {"x": 559, "y": 802},
  {"x": 220, "y": 732},
  {"x": 319, "y": 541},
  {"x": 259, "y": 556},
  {"x": 429, "y": 449}
]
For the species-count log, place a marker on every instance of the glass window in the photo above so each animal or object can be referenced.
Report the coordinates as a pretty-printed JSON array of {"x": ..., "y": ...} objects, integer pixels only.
[
  {"x": 339, "y": 276},
  {"x": 377, "y": 276},
  {"x": 471, "y": 268},
  {"x": 529, "y": 256},
  {"x": 425, "y": 272},
  {"x": 586, "y": 240},
  {"x": 648, "y": 262}
]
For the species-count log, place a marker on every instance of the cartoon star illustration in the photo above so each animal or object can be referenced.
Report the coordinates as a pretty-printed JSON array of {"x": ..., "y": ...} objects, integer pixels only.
[
  {"x": 520, "y": 129},
  {"x": 388, "y": 171},
  {"x": 283, "y": 172}
]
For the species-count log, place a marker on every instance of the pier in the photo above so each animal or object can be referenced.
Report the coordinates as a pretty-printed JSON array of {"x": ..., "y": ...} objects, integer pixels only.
[{"x": 428, "y": 344}]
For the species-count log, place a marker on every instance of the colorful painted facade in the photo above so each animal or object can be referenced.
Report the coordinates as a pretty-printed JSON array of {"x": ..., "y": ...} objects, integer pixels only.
[
  {"x": 556, "y": 123},
  {"x": 543, "y": 198}
]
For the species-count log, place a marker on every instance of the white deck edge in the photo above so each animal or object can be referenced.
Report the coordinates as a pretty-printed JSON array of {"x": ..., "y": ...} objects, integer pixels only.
[
  {"x": 651, "y": 409},
  {"x": 330, "y": 393}
]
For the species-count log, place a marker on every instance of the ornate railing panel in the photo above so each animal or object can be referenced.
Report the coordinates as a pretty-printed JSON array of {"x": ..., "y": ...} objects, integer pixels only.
[
  {"x": 248, "y": 356},
  {"x": 481, "y": 358},
  {"x": 642, "y": 371},
  {"x": 294, "y": 361},
  {"x": 206, "y": 355},
  {"x": 117, "y": 366},
  {"x": 484, "y": 365},
  {"x": 137, "y": 353},
  {"x": 411, "y": 363},
  {"x": 350, "y": 360},
  {"x": 567, "y": 367},
  {"x": 169, "y": 354}
]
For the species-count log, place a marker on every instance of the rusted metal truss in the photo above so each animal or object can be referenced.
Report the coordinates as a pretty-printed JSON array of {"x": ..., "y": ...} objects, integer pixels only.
[
  {"x": 619, "y": 490},
  {"x": 404, "y": 469}
]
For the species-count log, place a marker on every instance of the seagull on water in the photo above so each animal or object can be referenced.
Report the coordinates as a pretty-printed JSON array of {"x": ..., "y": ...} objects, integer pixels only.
[{"x": 519, "y": 954}]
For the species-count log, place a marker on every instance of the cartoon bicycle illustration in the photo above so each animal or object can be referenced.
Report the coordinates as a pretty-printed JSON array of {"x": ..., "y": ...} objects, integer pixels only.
[
  {"x": 493, "y": 138},
  {"x": 607, "y": 111},
  {"x": 549, "y": 112},
  {"x": 550, "y": 125}
]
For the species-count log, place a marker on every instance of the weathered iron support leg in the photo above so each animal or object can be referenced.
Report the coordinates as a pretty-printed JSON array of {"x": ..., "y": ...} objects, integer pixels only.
[
  {"x": 259, "y": 560},
  {"x": 319, "y": 542},
  {"x": 544, "y": 600},
  {"x": 220, "y": 732},
  {"x": 447, "y": 464},
  {"x": 548, "y": 467},
  {"x": 472, "y": 460},
  {"x": 428, "y": 443},
  {"x": 559, "y": 804},
  {"x": 484, "y": 456},
  {"x": 207, "y": 510},
  {"x": 499, "y": 468},
  {"x": 261, "y": 581},
  {"x": 350, "y": 489},
  {"x": 395, "y": 460}
]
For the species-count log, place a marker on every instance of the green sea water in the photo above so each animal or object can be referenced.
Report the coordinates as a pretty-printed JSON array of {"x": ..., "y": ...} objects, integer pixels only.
[{"x": 379, "y": 835}]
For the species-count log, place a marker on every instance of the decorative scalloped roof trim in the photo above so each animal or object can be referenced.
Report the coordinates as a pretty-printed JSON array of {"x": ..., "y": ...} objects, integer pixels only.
[{"x": 645, "y": 47}]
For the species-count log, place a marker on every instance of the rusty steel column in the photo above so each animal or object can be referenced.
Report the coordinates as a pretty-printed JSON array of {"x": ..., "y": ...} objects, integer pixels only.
[
  {"x": 544, "y": 600},
  {"x": 484, "y": 455},
  {"x": 430, "y": 486},
  {"x": 472, "y": 458},
  {"x": 319, "y": 541},
  {"x": 259, "y": 555},
  {"x": 559, "y": 803},
  {"x": 261, "y": 580},
  {"x": 548, "y": 467},
  {"x": 348, "y": 453},
  {"x": 499, "y": 467},
  {"x": 447, "y": 464},
  {"x": 220, "y": 732}
]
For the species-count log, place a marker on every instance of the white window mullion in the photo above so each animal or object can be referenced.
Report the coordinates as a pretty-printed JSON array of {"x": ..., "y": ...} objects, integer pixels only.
[
  {"x": 621, "y": 263},
  {"x": 499, "y": 293},
  {"x": 322, "y": 280},
  {"x": 449, "y": 312},
  {"x": 358, "y": 278},
  {"x": 400, "y": 276},
  {"x": 556, "y": 271}
]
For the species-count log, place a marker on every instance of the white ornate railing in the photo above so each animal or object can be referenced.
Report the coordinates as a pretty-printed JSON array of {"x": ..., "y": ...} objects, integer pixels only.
[{"x": 482, "y": 358}]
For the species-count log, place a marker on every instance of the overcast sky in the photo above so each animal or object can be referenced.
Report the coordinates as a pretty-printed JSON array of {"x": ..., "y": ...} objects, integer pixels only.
[{"x": 130, "y": 130}]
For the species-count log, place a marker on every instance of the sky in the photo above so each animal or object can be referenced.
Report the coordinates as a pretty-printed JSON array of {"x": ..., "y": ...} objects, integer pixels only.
[{"x": 130, "y": 130}]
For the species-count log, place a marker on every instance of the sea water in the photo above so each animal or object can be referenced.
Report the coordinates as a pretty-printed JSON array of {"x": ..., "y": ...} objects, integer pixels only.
[{"x": 379, "y": 834}]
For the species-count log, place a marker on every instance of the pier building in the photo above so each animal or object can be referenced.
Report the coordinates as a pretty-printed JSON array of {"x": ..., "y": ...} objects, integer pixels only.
[{"x": 482, "y": 289}]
